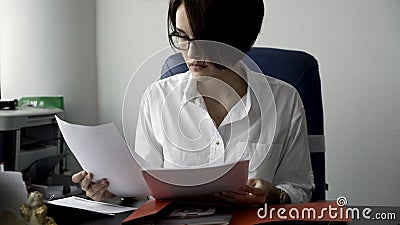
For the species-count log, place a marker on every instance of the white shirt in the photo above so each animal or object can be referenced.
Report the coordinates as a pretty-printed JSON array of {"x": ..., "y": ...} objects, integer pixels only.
[{"x": 267, "y": 126}]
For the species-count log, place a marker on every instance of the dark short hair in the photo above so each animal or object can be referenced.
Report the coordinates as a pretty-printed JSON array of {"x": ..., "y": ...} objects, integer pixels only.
[{"x": 233, "y": 22}]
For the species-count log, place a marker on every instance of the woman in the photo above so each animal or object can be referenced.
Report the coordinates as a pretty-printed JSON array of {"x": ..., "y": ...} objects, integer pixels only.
[{"x": 220, "y": 111}]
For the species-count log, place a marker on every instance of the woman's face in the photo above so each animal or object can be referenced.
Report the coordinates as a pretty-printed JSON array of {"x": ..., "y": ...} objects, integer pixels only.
[{"x": 194, "y": 57}]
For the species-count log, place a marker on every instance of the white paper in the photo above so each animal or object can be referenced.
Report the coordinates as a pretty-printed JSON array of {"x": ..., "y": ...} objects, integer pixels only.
[
  {"x": 94, "y": 206},
  {"x": 179, "y": 183},
  {"x": 12, "y": 191},
  {"x": 101, "y": 150}
]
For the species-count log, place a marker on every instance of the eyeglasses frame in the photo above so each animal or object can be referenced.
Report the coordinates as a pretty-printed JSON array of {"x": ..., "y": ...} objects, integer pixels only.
[{"x": 176, "y": 34}]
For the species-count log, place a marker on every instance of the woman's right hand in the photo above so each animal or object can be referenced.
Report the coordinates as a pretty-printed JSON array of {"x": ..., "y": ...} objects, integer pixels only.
[{"x": 96, "y": 191}]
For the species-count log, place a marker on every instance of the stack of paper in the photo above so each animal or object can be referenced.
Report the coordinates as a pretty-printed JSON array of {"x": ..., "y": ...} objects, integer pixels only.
[{"x": 94, "y": 206}]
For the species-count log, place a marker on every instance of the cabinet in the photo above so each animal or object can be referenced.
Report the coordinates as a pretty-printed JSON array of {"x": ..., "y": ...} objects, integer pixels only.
[{"x": 28, "y": 134}]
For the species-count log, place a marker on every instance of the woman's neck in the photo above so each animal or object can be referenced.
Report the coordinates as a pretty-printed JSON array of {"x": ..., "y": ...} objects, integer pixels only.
[{"x": 223, "y": 86}]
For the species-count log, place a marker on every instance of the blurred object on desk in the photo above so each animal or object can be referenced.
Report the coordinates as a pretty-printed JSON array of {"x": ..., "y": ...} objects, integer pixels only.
[
  {"x": 34, "y": 211},
  {"x": 8, "y": 104},
  {"x": 13, "y": 192}
]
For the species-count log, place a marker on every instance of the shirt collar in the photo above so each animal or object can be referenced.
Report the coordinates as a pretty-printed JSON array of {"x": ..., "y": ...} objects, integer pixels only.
[
  {"x": 241, "y": 109},
  {"x": 190, "y": 92}
]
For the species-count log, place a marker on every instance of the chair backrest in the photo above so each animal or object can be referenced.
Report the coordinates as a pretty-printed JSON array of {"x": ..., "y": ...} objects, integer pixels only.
[
  {"x": 301, "y": 71},
  {"x": 41, "y": 169}
]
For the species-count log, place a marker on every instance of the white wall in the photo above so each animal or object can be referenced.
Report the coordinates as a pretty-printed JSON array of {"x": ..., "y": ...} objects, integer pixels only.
[
  {"x": 356, "y": 43},
  {"x": 128, "y": 33},
  {"x": 48, "y": 47}
]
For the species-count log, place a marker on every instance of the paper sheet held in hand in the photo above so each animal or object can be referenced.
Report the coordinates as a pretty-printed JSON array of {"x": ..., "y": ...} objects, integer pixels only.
[{"x": 101, "y": 150}]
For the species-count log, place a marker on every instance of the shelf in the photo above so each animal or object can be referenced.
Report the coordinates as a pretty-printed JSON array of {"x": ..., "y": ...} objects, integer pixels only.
[{"x": 28, "y": 134}]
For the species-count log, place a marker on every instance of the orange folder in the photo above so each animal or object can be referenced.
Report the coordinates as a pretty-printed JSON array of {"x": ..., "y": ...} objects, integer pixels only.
[{"x": 151, "y": 207}]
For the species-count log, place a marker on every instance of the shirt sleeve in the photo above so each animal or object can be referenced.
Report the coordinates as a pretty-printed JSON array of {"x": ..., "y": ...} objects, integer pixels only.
[
  {"x": 146, "y": 144},
  {"x": 294, "y": 174}
]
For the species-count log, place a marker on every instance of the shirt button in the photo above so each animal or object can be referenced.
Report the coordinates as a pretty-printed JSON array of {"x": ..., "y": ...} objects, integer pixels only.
[{"x": 217, "y": 142}]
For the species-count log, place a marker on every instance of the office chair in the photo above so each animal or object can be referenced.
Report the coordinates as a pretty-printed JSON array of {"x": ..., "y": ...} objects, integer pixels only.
[
  {"x": 301, "y": 71},
  {"x": 41, "y": 169}
]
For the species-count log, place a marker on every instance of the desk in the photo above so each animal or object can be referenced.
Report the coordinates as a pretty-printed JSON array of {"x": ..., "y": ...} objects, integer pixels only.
[
  {"x": 68, "y": 216},
  {"x": 21, "y": 129}
]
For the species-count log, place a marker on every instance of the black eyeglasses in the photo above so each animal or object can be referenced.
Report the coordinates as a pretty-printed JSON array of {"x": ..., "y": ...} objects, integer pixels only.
[{"x": 180, "y": 42}]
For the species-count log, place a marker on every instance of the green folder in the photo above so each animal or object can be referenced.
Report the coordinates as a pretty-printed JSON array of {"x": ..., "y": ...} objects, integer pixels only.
[{"x": 42, "y": 102}]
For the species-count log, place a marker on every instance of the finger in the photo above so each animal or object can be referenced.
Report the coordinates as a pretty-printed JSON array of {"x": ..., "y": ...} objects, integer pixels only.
[
  {"x": 86, "y": 182},
  {"x": 256, "y": 182},
  {"x": 94, "y": 189},
  {"x": 227, "y": 198},
  {"x": 243, "y": 199},
  {"x": 252, "y": 181},
  {"x": 100, "y": 194},
  {"x": 78, "y": 177},
  {"x": 108, "y": 194},
  {"x": 254, "y": 190}
]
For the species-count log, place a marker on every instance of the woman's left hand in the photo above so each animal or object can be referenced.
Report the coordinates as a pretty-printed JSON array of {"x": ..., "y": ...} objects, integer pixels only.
[{"x": 257, "y": 192}]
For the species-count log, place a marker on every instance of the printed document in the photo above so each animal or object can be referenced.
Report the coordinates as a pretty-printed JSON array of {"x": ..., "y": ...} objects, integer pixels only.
[{"x": 90, "y": 205}]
